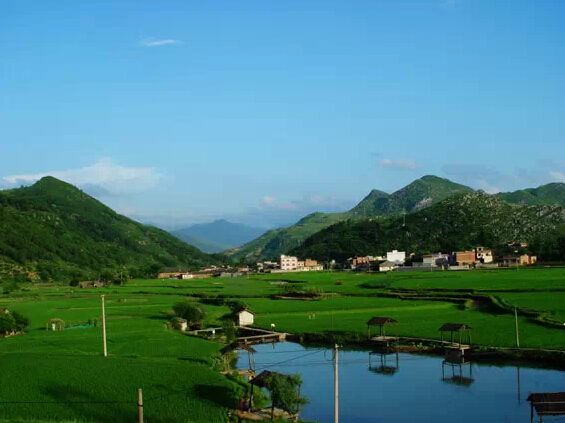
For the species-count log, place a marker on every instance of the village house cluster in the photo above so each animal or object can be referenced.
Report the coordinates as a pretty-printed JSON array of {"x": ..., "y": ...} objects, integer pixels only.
[
  {"x": 207, "y": 272},
  {"x": 290, "y": 264},
  {"x": 456, "y": 260}
]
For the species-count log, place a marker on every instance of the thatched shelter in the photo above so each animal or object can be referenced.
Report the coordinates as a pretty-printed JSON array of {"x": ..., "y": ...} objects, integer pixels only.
[
  {"x": 382, "y": 322},
  {"x": 55, "y": 324},
  {"x": 456, "y": 328}
]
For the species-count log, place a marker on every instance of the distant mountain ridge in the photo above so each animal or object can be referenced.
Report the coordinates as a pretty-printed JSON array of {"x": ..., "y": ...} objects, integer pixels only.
[
  {"x": 550, "y": 194},
  {"x": 54, "y": 228},
  {"x": 419, "y": 194},
  {"x": 218, "y": 236}
]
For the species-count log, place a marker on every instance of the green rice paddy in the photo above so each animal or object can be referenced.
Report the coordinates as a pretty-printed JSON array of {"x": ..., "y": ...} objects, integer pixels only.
[{"x": 54, "y": 376}]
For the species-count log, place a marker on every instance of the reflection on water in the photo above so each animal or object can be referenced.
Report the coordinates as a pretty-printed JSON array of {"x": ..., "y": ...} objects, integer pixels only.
[
  {"x": 426, "y": 390},
  {"x": 383, "y": 364}
]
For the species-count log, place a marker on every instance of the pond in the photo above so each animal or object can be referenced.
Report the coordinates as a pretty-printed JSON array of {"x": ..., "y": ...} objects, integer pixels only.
[{"x": 407, "y": 387}]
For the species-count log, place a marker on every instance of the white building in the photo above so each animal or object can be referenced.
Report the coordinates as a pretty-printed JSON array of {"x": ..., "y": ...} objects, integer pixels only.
[
  {"x": 289, "y": 263},
  {"x": 387, "y": 266},
  {"x": 396, "y": 256},
  {"x": 186, "y": 276},
  {"x": 245, "y": 318}
]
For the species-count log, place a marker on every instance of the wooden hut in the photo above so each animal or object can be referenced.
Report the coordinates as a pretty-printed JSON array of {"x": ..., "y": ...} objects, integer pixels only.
[
  {"x": 547, "y": 404},
  {"x": 382, "y": 322},
  {"x": 180, "y": 323},
  {"x": 456, "y": 328}
]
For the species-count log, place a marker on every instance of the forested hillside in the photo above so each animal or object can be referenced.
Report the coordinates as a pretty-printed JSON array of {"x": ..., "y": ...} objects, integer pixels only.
[
  {"x": 457, "y": 223},
  {"x": 52, "y": 229}
]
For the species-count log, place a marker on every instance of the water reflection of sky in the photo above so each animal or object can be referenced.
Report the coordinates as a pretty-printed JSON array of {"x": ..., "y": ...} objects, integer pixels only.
[{"x": 415, "y": 393}]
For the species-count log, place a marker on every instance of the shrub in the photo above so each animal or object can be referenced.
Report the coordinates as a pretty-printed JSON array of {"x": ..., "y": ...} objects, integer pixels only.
[{"x": 190, "y": 312}]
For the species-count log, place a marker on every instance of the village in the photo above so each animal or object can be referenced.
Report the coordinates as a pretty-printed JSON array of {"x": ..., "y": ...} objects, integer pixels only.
[{"x": 479, "y": 257}]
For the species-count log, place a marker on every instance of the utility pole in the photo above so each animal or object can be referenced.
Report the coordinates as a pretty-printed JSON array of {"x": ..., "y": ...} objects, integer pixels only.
[
  {"x": 336, "y": 385},
  {"x": 104, "y": 326},
  {"x": 140, "y": 405},
  {"x": 517, "y": 335}
]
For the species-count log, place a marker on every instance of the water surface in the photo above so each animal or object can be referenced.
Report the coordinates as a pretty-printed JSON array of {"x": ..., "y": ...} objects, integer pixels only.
[{"x": 415, "y": 390}]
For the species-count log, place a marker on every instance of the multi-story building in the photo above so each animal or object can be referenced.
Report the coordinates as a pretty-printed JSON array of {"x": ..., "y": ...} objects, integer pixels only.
[
  {"x": 465, "y": 257},
  {"x": 289, "y": 262}
]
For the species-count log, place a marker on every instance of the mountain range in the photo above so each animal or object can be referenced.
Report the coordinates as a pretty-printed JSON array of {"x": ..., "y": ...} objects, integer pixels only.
[
  {"x": 218, "y": 236},
  {"x": 459, "y": 222},
  {"x": 54, "y": 229},
  {"x": 418, "y": 195}
]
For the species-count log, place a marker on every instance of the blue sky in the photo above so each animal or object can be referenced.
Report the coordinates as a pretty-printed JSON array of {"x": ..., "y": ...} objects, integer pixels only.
[{"x": 262, "y": 111}]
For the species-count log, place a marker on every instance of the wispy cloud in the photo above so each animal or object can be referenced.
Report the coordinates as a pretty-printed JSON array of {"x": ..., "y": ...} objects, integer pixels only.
[
  {"x": 450, "y": 3},
  {"x": 557, "y": 176},
  {"x": 102, "y": 178},
  {"x": 152, "y": 42},
  {"x": 398, "y": 163}
]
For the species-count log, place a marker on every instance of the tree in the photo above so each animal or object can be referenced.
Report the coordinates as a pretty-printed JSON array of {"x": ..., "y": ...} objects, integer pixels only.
[
  {"x": 153, "y": 270},
  {"x": 107, "y": 276},
  {"x": 74, "y": 282},
  {"x": 7, "y": 323},
  {"x": 284, "y": 391},
  {"x": 190, "y": 312},
  {"x": 230, "y": 331},
  {"x": 20, "y": 321}
]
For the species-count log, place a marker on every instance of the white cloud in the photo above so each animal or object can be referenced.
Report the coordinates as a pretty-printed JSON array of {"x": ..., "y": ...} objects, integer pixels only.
[
  {"x": 151, "y": 42},
  {"x": 268, "y": 201},
  {"x": 103, "y": 177},
  {"x": 558, "y": 176},
  {"x": 399, "y": 164}
]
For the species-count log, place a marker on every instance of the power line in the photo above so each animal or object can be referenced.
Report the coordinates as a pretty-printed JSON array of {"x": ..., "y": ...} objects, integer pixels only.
[{"x": 290, "y": 359}]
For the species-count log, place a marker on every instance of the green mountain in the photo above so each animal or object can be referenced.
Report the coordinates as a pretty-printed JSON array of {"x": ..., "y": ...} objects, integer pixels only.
[
  {"x": 419, "y": 194},
  {"x": 55, "y": 229},
  {"x": 551, "y": 194},
  {"x": 218, "y": 236},
  {"x": 460, "y": 222}
]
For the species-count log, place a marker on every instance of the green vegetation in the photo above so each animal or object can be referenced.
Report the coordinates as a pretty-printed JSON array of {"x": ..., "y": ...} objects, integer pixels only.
[
  {"x": 52, "y": 230},
  {"x": 284, "y": 393},
  {"x": 458, "y": 223},
  {"x": 71, "y": 381},
  {"x": 193, "y": 314}
]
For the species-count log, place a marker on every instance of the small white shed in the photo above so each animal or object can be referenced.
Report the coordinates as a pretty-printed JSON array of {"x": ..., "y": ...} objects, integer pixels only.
[
  {"x": 180, "y": 323},
  {"x": 245, "y": 318}
]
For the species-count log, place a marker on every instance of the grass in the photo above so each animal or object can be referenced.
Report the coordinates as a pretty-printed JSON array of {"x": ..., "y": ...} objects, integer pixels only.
[{"x": 174, "y": 370}]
